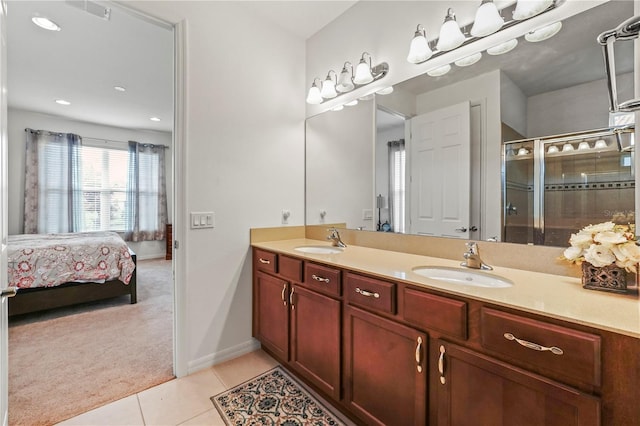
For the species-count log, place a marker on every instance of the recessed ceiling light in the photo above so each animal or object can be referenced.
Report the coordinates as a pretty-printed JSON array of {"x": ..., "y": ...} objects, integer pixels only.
[
  {"x": 62, "y": 102},
  {"x": 120, "y": 88},
  {"x": 45, "y": 23},
  {"x": 154, "y": 119}
]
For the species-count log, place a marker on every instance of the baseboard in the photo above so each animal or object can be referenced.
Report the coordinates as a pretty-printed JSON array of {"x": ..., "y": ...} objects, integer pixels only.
[
  {"x": 223, "y": 355},
  {"x": 151, "y": 257}
]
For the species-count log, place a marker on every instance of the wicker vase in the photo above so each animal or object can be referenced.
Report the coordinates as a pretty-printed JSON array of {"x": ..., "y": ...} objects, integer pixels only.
[{"x": 606, "y": 278}]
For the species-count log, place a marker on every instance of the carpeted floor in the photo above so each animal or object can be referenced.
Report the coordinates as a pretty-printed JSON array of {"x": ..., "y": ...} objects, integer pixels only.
[{"x": 69, "y": 361}]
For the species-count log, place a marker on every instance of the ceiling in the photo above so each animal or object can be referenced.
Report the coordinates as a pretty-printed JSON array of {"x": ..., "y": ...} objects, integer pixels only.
[{"x": 90, "y": 55}]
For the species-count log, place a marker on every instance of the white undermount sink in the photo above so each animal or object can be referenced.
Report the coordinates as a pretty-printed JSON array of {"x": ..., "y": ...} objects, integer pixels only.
[
  {"x": 319, "y": 249},
  {"x": 463, "y": 276}
]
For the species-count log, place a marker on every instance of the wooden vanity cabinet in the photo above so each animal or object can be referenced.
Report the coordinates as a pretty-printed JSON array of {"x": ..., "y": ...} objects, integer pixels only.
[
  {"x": 475, "y": 389},
  {"x": 298, "y": 326},
  {"x": 385, "y": 375}
]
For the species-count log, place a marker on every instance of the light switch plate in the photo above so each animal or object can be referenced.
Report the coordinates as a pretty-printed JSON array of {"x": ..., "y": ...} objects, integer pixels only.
[{"x": 200, "y": 220}]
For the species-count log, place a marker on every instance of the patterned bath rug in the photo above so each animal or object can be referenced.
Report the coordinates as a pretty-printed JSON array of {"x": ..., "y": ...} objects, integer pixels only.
[{"x": 273, "y": 398}]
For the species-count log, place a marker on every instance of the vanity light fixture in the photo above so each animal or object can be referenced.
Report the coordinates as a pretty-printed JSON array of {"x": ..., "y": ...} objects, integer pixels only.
[
  {"x": 363, "y": 71},
  {"x": 366, "y": 97},
  {"x": 526, "y": 9},
  {"x": 543, "y": 33},
  {"x": 338, "y": 108},
  {"x": 419, "y": 51},
  {"x": 385, "y": 91},
  {"x": 450, "y": 34},
  {"x": 314, "y": 97},
  {"x": 437, "y": 72},
  {"x": 335, "y": 85},
  {"x": 567, "y": 147},
  {"x": 503, "y": 48},
  {"x": 468, "y": 60},
  {"x": 552, "y": 149},
  {"x": 488, "y": 20},
  {"x": 352, "y": 103},
  {"x": 329, "y": 86},
  {"x": 45, "y": 23},
  {"x": 62, "y": 102},
  {"x": 523, "y": 151},
  {"x": 345, "y": 81}
]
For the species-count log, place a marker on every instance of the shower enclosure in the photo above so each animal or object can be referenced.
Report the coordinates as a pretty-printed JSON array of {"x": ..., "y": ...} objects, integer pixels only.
[{"x": 556, "y": 185}]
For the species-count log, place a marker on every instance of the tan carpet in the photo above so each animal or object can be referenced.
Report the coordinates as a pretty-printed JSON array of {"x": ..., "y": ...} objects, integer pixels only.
[{"x": 66, "y": 362}]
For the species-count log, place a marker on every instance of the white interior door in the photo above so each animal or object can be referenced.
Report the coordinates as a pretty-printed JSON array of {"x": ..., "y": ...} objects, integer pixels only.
[
  {"x": 440, "y": 172},
  {"x": 3, "y": 220}
]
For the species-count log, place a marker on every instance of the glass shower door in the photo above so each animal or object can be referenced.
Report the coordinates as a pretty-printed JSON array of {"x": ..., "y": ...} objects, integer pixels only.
[{"x": 518, "y": 193}]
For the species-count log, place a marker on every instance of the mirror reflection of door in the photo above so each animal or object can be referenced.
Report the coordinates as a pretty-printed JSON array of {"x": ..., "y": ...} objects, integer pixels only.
[{"x": 441, "y": 172}]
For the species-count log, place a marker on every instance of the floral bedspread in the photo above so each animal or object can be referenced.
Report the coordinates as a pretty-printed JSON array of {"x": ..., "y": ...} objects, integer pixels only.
[{"x": 48, "y": 260}]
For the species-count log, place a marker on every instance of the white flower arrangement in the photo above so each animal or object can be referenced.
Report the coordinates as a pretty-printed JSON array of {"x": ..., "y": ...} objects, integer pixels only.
[{"x": 605, "y": 244}]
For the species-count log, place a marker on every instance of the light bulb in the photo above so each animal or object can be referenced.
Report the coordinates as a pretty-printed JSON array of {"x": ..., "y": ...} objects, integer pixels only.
[
  {"x": 552, "y": 149},
  {"x": 488, "y": 20},
  {"x": 450, "y": 34},
  {"x": 468, "y": 60},
  {"x": 584, "y": 145},
  {"x": 523, "y": 151},
  {"x": 363, "y": 72},
  {"x": 503, "y": 48},
  {"x": 344, "y": 81},
  {"x": 45, "y": 23},
  {"x": 437, "y": 72},
  {"x": 314, "y": 97},
  {"x": 600, "y": 144},
  {"x": 419, "y": 51},
  {"x": 338, "y": 108},
  {"x": 567, "y": 147},
  {"x": 543, "y": 33},
  {"x": 527, "y": 8},
  {"x": 328, "y": 87}
]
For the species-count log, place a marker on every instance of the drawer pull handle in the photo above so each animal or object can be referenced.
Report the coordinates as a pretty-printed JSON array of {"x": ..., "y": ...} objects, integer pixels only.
[
  {"x": 419, "y": 355},
  {"x": 441, "y": 365},
  {"x": 264, "y": 261},
  {"x": 536, "y": 347},
  {"x": 321, "y": 279},
  {"x": 291, "y": 298},
  {"x": 367, "y": 293},
  {"x": 284, "y": 289}
]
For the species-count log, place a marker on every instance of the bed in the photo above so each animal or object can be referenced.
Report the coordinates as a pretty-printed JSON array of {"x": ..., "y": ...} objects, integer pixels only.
[{"x": 57, "y": 270}]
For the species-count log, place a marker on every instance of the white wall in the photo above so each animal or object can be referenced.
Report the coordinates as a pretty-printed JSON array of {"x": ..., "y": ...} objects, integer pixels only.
[
  {"x": 513, "y": 105},
  {"x": 18, "y": 120},
  {"x": 244, "y": 160},
  {"x": 581, "y": 107},
  {"x": 339, "y": 166}
]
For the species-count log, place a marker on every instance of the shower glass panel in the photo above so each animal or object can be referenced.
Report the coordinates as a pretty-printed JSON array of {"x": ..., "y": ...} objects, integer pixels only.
[{"x": 567, "y": 182}]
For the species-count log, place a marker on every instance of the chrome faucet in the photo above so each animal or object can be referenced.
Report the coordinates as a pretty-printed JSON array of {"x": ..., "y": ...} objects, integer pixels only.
[
  {"x": 472, "y": 258},
  {"x": 335, "y": 237}
]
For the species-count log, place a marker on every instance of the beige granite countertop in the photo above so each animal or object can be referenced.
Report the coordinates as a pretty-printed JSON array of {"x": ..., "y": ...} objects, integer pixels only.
[{"x": 549, "y": 295}]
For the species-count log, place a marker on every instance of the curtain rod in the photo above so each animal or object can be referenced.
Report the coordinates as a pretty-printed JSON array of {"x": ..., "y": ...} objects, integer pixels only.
[{"x": 92, "y": 138}]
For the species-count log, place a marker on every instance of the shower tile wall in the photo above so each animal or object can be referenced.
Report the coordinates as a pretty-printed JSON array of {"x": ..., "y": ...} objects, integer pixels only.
[{"x": 586, "y": 188}]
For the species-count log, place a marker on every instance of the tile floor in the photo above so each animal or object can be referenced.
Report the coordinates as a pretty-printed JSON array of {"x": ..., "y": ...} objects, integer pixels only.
[{"x": 184, "y": 401}]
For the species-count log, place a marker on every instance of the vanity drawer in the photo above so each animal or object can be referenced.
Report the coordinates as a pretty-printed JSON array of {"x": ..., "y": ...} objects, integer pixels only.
[
  {"x": 322, "y": 278},
  {"x": 429, "y": 311},
  {"x": 265, "y": 261},
  {"x": 370, "y": 293},
  {"x": 290, "y": 268},
  {"x": 551, "y": 348}
]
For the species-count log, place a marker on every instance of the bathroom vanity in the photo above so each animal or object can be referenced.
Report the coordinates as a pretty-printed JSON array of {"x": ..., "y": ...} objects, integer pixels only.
[{"x": 389, "y": 346}]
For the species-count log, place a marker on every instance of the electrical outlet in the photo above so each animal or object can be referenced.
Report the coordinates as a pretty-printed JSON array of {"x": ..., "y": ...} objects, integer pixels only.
[{"x": 285, "y": 216}]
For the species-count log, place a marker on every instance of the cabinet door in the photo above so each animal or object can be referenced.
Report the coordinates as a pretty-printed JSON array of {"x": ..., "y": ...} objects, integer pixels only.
[
  {"x": 475, "y": 389},
  {"x": 315, "y": 339},
  {"x": 385, "y": 377},
  {"x": 272, "y": 314}
]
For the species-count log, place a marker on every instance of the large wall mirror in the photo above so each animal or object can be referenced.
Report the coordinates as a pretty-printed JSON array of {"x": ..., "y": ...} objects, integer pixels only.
[{"x": 374, "y": 167}]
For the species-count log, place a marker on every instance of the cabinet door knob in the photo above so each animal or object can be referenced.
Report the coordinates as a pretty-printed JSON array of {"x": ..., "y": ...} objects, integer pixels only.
[
  {"x": 367, "y": 293},
  {"x": 441, "y": 365},
  {"x": 321, "y": 279},
  {"x": 419, "y": 355},
  {"x": 284, "y": 299},
  {"x": 534, "y": 346}
]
